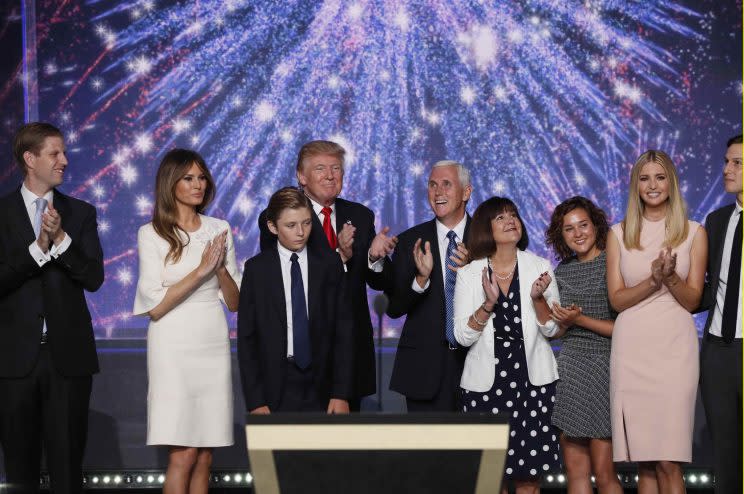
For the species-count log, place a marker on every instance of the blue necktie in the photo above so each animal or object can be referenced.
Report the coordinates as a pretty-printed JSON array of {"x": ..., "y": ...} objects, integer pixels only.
[
  {"x": 41, "y": 205},
  {"x": 449, "y": 289},
  {"x": 300, "y": 324}
]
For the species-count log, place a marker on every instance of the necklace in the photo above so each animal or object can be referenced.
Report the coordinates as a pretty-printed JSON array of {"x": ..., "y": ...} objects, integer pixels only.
[{"x": 503, "y": 278}]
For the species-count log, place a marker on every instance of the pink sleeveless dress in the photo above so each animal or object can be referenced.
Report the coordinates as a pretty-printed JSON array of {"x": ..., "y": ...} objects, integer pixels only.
[{"x": 654, "y": 360}]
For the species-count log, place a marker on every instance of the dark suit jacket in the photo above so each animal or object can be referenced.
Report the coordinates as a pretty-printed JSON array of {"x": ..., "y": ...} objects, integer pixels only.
[
  {"x": 357, "y": 276},
  {"x": 29, "y": 293},
  {"x": 262, "y": 329},
  {"x": 715, "y": 226},
  {"x": 419, "y": 360}
]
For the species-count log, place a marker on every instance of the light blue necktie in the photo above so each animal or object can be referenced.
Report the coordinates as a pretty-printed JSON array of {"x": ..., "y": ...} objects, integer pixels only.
[
  {"x": 41, "y": 205},
  {"x": 449, "y": 289}
]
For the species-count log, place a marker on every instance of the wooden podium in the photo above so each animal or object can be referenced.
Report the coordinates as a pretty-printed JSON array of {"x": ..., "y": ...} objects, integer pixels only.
[{"x": 376, "y": 453}]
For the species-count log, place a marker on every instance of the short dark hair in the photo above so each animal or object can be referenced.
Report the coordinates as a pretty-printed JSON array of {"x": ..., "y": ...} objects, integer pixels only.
[
  {"x": 30, "y": 137},
  {"x": 734, "y": 140},
  {"x": 554, "y": 233},
  {"x": 286, "y": 198},
  {"x": 316, "y": 148},
  {"x": 480, "y": 240}
]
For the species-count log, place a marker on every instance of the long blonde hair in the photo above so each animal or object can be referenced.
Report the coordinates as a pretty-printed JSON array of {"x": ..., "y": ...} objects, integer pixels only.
[
  {"x": 677, "y": 227},
  {"x": 175, "y": 164}
]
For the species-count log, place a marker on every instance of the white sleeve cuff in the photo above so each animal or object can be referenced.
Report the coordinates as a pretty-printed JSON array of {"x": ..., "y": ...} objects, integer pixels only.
[
  {"x": 39, "y": 256},
  {"x": 375, "y": 266},
  {"x": 60, "y": 249},
  {"x": 416, "y": 288}
]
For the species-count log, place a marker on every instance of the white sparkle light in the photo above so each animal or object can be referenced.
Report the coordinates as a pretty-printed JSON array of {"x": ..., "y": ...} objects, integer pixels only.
[
  {"x": 500, "y": 92},
  {"x": 143, "y": 204},
  {"x": 128, "y": 174},
  {"x": 265, "y": 112},
  {"x": 96, "y": 83},
  {"x": 334, "y": 82},
  {"x": 499, "y": 187},
  {"x": 355, "y": 11},
  {"x": 143, "y": 143},
  {"x": 124, "y": 275},
  {"x": 417, "y": 169},
  {"x": 346, "y": 144},
  {"x": 245, "y": 205},
  {"x": 467, "y": 95},
  {"x": 98, "y": 192},
  {"x": 402, "y": 20},
  {"x": 180, "y": 125},
  {"x": 103, "y": 226},
  {"x": 140, "y": 65},
  {"x": 484, "y": 46}
]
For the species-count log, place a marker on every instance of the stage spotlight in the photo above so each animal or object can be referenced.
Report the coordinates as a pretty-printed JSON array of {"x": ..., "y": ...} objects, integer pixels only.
[
  {"x": 593, "y": 479},
  {"x": 692, "y": 478},
  {"x": 704, "y": 479},
  {"x": 549, "y": 478},
  {"x": 94, "y": 479},
  {"x": 226, "y": 478},
  {"x": 161, "y": 479},
  {"x": 117, "y": 479},
  {"x": 561, "y": 478},
  {"x": 248, "y": 478},
  {"x": 238, "y": 477},
  {"x": 150, "y": 479},
  {"x": 106, "y": 479},
  {"x": 139, "y": 479}
]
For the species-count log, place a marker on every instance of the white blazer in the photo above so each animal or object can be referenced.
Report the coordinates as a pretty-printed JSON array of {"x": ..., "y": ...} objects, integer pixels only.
[{"x": 479, "y": 372}]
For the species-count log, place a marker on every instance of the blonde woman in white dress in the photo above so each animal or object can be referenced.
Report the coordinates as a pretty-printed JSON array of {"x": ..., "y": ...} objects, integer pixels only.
[{"x": 186, "y": 270}]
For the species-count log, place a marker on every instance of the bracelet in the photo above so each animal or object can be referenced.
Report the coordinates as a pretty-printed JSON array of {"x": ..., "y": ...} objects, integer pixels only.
[
  {"x": 479, "y": 323},
  {"x": 483, "y": 306}
]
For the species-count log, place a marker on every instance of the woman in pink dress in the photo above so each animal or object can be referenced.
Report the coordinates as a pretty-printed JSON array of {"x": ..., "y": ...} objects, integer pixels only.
[{"x": 655, "y": 272}]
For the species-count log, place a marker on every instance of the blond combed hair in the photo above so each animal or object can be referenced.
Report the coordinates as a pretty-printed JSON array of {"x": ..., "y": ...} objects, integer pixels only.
[{"x": 675, "y": 221}]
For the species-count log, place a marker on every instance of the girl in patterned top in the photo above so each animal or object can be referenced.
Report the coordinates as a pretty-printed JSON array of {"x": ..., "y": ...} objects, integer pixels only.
[{"x": 578, "y": 234}]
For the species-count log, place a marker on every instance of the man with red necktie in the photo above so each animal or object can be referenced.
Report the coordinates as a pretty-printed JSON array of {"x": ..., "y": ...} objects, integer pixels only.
[{"x": 347, "y": 228}]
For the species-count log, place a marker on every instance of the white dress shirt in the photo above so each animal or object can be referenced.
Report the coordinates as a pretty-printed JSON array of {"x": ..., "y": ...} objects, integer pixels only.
[
  {"x": 442, "y": 232},
  {"x": 286, "y": 264},
  {"x": 715, "y": 324},
  {"x": 40, "y": 256}
]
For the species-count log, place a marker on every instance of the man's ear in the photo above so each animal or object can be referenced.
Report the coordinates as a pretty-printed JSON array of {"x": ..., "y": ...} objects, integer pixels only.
[
  {"x": 272, "y": 227},
  {"x": 30, "y": 159}
]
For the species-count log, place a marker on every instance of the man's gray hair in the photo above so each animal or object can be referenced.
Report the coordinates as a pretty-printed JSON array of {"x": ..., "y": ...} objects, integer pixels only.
[{"x": 462, "y": 172}]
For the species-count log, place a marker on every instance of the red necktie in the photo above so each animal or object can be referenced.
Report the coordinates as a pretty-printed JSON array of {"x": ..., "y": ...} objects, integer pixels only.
[{"x": 328, "y": 229}]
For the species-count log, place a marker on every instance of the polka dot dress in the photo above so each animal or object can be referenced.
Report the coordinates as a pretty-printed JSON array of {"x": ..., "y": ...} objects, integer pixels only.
[{"x": 533, "y": 443}]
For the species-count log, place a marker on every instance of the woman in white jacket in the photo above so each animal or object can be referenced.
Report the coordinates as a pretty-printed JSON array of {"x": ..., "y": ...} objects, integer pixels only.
[{"x": 502, "y": 312}]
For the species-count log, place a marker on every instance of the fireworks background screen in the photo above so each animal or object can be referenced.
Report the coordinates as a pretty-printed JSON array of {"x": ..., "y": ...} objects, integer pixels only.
[{"x": 542, "y": 99}]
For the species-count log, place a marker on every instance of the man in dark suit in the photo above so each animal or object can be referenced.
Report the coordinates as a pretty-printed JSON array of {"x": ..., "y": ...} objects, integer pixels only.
[
  {"x": 720, "y": 357},
  {"x": 347, "y": 228},
  {"x": 49, "y": 254},
  {"x": 429, "y": 362},
  {"x": 294, "y": 356}
]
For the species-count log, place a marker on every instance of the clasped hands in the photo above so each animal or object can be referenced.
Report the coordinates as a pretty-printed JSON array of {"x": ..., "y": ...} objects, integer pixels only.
[
  {"x": 213, "y": 257},
  {"x": 50, "y": 230},
  {"x": 663, "y": 269}
]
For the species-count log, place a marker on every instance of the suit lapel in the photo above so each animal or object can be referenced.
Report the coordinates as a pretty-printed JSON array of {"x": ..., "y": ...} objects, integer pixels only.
[
  {"x": 276, "y": 286},
  {"x": 314, "y": 283},
  {"x": 317, "y": 235},
  {"x": 437, "y": 277},
  {"x": 720, "y": 235},
  {"x": 62, "y": 205},
  {"x": 21, "y": 221},
  {"x": 342, "y": 214}
]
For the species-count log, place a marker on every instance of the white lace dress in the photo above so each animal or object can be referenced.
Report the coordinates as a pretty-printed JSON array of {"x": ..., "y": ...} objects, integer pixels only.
[{"x": 190, "y": 397}]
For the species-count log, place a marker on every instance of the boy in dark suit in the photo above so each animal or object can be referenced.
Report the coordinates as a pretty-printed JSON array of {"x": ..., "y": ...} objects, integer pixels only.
[{"x": 295, "y": 344}]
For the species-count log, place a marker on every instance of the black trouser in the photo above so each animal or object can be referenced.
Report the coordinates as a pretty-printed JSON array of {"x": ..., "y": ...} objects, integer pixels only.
[
  {"x": 447, "y": 398},
  {"x": 720, "y": 386},
  {"x": 50, "y": 409},
  {"x": 299, "y": 393}
]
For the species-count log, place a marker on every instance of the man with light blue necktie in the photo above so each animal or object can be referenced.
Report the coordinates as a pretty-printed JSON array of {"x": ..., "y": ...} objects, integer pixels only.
[
  {"x": 49, "y": 255},
  {"x": 428, "y": 362}
]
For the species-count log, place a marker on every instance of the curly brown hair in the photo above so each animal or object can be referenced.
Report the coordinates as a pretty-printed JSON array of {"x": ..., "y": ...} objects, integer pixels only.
[{"x": 554, "y": 233}]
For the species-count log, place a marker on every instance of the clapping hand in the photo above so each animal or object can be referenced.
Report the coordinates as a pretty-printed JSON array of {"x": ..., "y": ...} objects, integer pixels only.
[
  {"x": 346, "y": 241},
  {"x": 490, "y": 288},
  {"x": 51, "y": 223},
  {"x": 460, "y": 257},
  {"x": 669, "y": 264},
  {"x": 565, "y": 316},
  {"x": 382, "y": 245},
  {"x": 424, "y": 261},
  {"x": 213, "y": 256},
  {"x": 657, "y": 270},
  {"x": 540, "y": 285}
]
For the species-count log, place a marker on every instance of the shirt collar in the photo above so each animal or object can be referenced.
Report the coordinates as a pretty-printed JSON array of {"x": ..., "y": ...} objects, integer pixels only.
[
  {"x": 317, "y": 207},
  {"x": 285, "y": 254},
  {"x": 29, "y": 197},
  {"x": 459, "y": 229},
  {"x": 737, "y": 208}
]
